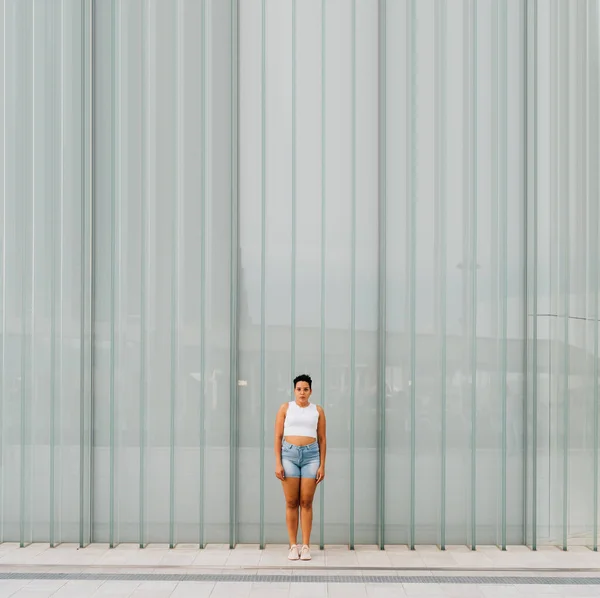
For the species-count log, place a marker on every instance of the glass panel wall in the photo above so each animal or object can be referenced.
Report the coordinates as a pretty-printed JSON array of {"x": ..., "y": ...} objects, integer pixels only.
[{"x": 398, "y": 197}]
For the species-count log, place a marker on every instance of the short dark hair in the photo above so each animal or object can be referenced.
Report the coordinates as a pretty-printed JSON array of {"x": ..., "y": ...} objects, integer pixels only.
[{"x": 303, "y": 378}]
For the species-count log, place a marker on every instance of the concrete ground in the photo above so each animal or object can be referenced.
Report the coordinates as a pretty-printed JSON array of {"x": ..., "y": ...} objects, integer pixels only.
[{"x": 218, "y": 572}]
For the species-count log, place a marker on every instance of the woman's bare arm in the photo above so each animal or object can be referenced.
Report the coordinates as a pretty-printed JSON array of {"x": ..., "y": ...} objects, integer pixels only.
[
  {"x": 322, "y": 440},
  {"x": 279, "y": 421}
]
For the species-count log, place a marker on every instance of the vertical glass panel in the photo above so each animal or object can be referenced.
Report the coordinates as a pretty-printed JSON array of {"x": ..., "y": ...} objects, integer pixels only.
[
  {"x": 220, "y": 105},
  {"x": 70, "y": 272},
  {"x": 581, "y": 396},
  {"x": 338, "y": 189},
  {"x": 250, "y": 272},
  {"x": 366, "y": 271},
  {"x": 512, "y": 152},
  {"x": 397, "y": 417},
  {"x": 428, "y": 413}
]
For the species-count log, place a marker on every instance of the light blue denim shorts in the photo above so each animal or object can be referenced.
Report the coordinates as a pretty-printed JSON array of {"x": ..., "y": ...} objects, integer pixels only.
[{"x": 300, "y": 461}]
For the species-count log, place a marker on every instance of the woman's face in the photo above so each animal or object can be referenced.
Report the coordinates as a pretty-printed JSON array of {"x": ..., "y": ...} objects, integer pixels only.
[{"x": 302, "y": 391}]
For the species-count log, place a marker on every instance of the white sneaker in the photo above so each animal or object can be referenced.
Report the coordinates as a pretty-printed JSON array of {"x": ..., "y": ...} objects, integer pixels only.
[
  {"x": 293, "y": 554},
  {"x": 305, "y": 553}
]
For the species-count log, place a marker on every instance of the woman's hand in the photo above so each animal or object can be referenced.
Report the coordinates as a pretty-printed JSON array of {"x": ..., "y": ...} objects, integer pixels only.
[
  {"x": 320, "y": 474},
  {"x": 279, "y": 472}
]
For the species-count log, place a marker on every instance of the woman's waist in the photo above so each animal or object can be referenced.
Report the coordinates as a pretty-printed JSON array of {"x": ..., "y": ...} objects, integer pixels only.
[{"x": 302, "y": 442}]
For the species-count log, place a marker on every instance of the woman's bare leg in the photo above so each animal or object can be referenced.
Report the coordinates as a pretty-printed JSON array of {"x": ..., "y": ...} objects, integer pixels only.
[
  {"x": 307, "y": 493},
  {"x": 291, "y": 489}
]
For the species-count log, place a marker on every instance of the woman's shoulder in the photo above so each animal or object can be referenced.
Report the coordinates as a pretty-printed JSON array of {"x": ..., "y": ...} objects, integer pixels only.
[{"x": 320, "y": 409}]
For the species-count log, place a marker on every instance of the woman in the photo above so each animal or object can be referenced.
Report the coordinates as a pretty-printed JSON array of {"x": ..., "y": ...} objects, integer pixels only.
[{"x": 300, "y": 448}]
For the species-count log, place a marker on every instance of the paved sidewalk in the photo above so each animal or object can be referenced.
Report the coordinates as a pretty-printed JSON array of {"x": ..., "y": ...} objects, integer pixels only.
[{"x": 217, "y": 571}]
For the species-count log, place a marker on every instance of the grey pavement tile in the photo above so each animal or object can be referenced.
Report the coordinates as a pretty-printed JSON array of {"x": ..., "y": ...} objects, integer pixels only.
[
  {"x": 346, "y": 590},
  {"x": 527, "y": 590},
  {"x": 308, "y": 590},
  {"x": 396, "y": 548},
  {"x": 422, "y": 589},
  {"x": 385, "y": 591},
  {"x": 267, "y": 591},
  {"x": 427, "y": 548},
  {"x": 231, "y": 590},
  {"x": 9, "y": 586},
  {"x": 116, "y": 589},
  {"x": 154, "y": 589},
  {"x": 25, "y": 593},
  {"x": 193, "y": 589},
  {"x": 78, "y": 589},
  {"x": 499, "y": 591},
  {"x": 461, "y": 590}
]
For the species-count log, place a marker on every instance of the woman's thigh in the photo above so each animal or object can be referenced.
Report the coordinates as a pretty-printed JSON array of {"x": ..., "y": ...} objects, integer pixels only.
[
  {"x": 307, "y": 491},
  {"x": 291, "y": 490}
]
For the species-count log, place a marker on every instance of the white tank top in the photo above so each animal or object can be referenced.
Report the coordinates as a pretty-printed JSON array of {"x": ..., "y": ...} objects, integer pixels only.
[{"x": 301, "y": 421}]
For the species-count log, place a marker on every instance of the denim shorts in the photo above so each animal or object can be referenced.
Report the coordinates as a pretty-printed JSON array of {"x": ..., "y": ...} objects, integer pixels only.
[{"x": 300, "y": 461}]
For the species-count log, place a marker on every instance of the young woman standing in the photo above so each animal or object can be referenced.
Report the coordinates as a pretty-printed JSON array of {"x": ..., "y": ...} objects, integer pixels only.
[{"x": 300, "y": 448}]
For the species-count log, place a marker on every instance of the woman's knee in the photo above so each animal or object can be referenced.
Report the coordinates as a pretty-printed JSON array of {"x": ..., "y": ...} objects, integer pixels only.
[
  {"x": 291, "y": 503},
  {"x": 306, "y": 503}
]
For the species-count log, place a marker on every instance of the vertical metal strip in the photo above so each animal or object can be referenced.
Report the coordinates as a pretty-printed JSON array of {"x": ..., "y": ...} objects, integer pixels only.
[
  {"x": 3, "y": 275},
  {"x": 19, "y": 156},
  {"x": 175, "y": 267},
  {"x": 503, "y": 198},
  {"x": 353, "y": 278},
  {"x": 323, "y": 241},
  {"x": 85, "y": 272},
  {"x": 294, "y": 232},
  {"x": 533, "y": 141},
  {"x": 53, "y": 236},
  {"x": 27, "y": 413},
  {"x": 263, "y": 273},
  {"x": 61, "y": 253},
  {"x": 382, "y": 296},
  {"x": 203, "y": 232},
  {"x": 473, "y": 272},
  {"x": 234, "y": 248},
  {"x": 143, "y": 271},
  {"x": 412, "y": 206},
  {"x": 91, "y": 245},
  {"x": 234, "y": 274},
  {"x": 113, "y": 274},
  {"x": 565, "y": 271},
  {"x": 466, "y": 215},
  {"x": 526, "y": 271},
  {"x": 591, "y": 245},
  {"x": 440, "y": 215},
  {"x": 60, "y": 248},
  {"x": 20, "y": 176},
  {"x": 593, "y": 20}
]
